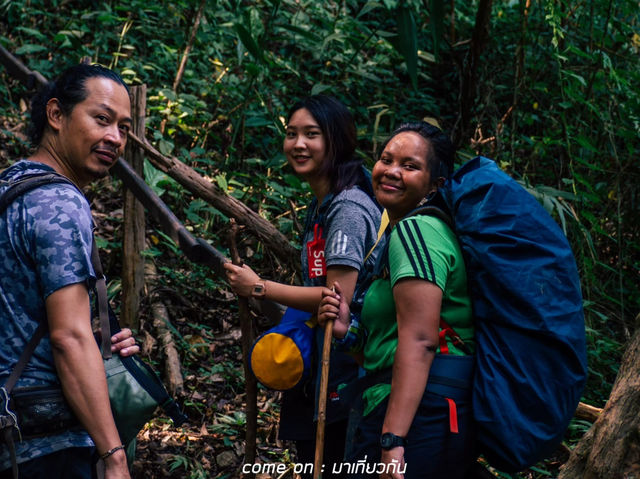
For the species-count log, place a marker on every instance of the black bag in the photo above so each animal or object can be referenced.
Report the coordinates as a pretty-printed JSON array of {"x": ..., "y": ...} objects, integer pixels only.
[{"x": 42, "y": 411}]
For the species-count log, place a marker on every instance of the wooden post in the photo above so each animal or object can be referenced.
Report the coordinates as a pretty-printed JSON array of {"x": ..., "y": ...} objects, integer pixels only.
[
  {"x": 250, "y": 383},
  {"x": 133, "y": 239}
]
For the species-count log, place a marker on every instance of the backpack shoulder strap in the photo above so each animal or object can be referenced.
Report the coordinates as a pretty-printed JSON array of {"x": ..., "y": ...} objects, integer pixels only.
[
  {"x": 103, "y": 301},
  {"x": 439, "y": 213},
  {"x": 24, "y": 357},
  {"x": 384, "y": 222},
  {"x": 27, "y": 183}
]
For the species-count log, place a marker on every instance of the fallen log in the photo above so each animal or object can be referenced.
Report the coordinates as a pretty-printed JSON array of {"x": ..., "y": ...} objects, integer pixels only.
[
  {"x": 587, "y": 412},
  {"x": 173, "y": 370}
]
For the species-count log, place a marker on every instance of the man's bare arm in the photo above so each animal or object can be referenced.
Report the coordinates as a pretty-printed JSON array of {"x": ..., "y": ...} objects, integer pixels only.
[{"x": 81, "y": 371}]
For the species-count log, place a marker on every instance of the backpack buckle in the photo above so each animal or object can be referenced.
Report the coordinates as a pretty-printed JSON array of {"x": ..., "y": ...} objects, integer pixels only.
[{"x": 8, "y": 418}]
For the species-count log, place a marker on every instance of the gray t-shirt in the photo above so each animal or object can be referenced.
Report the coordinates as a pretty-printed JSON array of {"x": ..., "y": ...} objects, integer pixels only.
[
  {"x": 350, "y": 222},
  {"x": 45, "y": 244}
]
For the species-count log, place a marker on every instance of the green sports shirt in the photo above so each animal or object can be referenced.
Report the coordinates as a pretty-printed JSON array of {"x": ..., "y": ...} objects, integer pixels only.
[{"x": 419, "y": 247}]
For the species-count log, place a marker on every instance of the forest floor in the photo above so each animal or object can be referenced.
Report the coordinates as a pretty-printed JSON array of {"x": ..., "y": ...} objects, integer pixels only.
[{"x": 212, "y": 444}]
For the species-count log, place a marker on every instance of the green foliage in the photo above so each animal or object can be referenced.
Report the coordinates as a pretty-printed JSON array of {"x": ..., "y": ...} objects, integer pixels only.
[{"x": 188, "y": 467}]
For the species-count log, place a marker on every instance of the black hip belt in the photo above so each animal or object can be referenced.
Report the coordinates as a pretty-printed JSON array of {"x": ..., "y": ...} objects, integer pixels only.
[
  {"x": 42, "y": 411},
  {"x": 449, "y": 376}
]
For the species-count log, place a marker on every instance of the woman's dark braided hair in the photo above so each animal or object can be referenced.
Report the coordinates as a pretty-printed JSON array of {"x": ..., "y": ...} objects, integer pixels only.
[{"x": 441, "y": 149}]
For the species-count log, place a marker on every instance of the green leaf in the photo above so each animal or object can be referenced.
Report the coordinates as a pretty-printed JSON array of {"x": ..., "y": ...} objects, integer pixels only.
[
  {"x": 249, "y": 42},
  {"x": 165, "y": 147},
  {"x": 407, "y": 42},
  {"x": 168, "y": 94},
  {"x": 429, "y": 57},
  {"x": 156, "y": 179},
  {"x": 586, "y": 143},
  {"x": 369, "y": 6},
  {"x": 336, "y": 36},
  {"x": 221, "y": 180},
  {"x": 257, "y": 120},
  {"x": 319, "y": 88},
  {"x": 582, "y": 81},
  {"x": 542, "y": 471},
  {"x": 29, "y": 48},
  {"x": 32, "y": 32},
  {"x": 309, "y": 35},
  {"x": 385, "y": 34},
  {"x": 436, "y": 22}
]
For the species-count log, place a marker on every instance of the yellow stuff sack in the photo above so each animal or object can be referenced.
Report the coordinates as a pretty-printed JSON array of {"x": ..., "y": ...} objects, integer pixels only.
[{"x": 281, "y": 357}]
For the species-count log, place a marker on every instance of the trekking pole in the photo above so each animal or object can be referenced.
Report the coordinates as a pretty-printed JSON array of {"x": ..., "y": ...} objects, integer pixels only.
[{"x": 322, "y": 398}]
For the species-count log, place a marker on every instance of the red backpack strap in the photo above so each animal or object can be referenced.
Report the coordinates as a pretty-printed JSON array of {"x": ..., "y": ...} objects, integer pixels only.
[
  {"x": 453, "y": 416},
  {"x": 446, "y": 330},
  {"x": 442, "y": 336}
]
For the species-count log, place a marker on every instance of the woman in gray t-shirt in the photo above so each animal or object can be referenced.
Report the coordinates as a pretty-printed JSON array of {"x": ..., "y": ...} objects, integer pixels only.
[{"x": 341, "y": 228}]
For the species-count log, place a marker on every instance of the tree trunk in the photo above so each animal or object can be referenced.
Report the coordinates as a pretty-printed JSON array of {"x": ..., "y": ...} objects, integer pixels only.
[
  {"x": 134, "y": 220},
  {"x": 187, "y": 50},
  {"x": 611, "y": 448},
  {"x": 469, "y": 70}
]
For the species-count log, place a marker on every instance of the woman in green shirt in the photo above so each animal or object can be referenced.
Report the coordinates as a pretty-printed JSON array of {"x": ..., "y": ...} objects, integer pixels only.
[{"x": 417, "y": 314}]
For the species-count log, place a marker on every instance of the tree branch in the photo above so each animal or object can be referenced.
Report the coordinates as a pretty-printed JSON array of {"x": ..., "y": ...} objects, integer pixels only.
[{"x": 273, "y": 239}]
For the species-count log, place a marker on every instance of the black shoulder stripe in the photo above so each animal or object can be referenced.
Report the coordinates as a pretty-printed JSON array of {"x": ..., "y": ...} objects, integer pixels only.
[
  {"x": 411, "y": 234},
  {"x": 425, "y": 251},
  {"x": 405, "y": 245}
]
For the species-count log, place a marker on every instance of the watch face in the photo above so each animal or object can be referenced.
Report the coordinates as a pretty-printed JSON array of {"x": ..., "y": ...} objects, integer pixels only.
[
  {"x": 389, "y": 441},
  {"x": 259, "y": 290},
  {"x": 385, "y": 440}
]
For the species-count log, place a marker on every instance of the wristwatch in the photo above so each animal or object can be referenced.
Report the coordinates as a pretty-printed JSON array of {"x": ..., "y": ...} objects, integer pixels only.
[
  {"x": 259, "y": 290},
  {"x": 389, "y": 441}
]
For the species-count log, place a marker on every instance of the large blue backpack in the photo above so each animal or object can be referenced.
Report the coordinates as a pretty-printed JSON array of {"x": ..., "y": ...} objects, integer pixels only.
[{"x": 527, "y": 304}]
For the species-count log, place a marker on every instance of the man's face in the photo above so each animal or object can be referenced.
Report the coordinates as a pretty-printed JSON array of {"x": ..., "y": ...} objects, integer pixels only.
[{"x": 94, "y": 135}]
